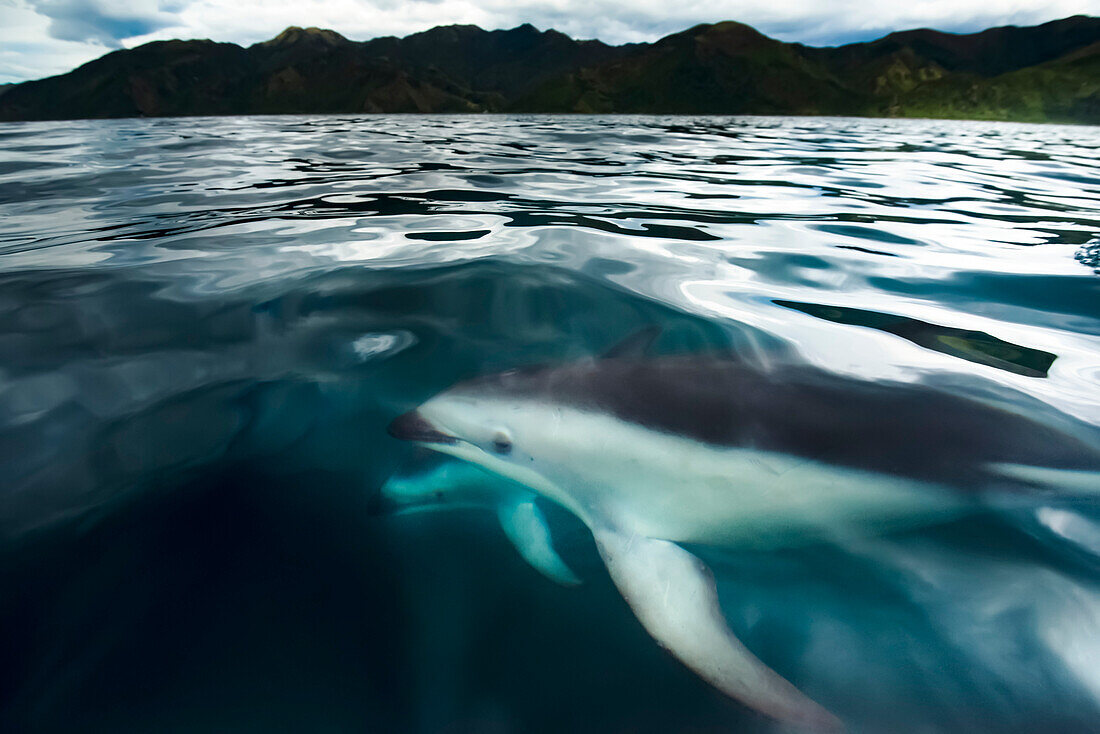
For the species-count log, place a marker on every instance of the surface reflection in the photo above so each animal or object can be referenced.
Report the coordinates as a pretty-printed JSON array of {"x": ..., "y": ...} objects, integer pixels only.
[
  {"x": 975, "y": 346},
  {"x": 207, "y": 324}
]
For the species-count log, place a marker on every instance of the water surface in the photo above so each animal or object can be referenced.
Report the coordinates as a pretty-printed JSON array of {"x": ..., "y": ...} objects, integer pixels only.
[{"x": 206, "y": 324}]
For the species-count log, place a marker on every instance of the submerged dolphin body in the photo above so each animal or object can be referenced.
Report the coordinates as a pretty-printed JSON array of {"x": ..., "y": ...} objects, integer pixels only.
[{"x": 653, "y": 452}]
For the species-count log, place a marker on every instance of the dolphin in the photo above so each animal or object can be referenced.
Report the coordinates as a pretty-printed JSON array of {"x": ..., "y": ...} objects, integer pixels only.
[
  {"x": 651, "y": 453},
  {"x": 463, "y": 485}
]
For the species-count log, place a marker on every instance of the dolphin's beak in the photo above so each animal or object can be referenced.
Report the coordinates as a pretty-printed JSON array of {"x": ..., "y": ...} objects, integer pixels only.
[{"x": 414, "y": 427}]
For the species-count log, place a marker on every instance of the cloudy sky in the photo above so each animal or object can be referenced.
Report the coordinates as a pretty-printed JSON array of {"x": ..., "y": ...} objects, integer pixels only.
[{"x": 44, "y": 37}]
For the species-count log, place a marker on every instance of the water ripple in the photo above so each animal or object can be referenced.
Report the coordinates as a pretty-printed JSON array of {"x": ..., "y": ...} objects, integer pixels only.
[{"x": 267, "y": 292}]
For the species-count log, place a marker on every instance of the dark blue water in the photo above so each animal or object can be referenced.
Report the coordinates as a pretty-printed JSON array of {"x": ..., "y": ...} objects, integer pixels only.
[{"x": 206, "y": 325}]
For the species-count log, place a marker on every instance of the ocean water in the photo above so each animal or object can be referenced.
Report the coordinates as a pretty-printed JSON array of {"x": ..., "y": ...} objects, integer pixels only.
[{"x": 207, "y": 324}]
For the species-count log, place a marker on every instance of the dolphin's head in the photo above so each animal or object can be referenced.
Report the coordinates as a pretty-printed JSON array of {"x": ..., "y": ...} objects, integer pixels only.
[
  {"x": 401, "y": 494},
  {"x": 475, "y": 421},
  {"x": 498, "y": 422},
  {"x": 512, "y": 422},
  {"x": 447, "y": 485}
]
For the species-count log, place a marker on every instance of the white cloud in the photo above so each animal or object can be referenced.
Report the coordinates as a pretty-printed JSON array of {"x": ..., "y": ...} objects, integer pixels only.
[
  {"x": 104, "y": 21},
  {"x": 27, "y": 51},
  {"x": 43, "y": 37}
]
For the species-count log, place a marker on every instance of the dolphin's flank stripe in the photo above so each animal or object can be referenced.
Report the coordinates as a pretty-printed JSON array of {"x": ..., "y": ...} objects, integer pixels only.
[{"x": 896, "y": 428}]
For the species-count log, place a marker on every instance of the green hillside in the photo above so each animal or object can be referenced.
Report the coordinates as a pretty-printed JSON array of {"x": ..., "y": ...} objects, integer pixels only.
[{"x": 1049, "y": 72}]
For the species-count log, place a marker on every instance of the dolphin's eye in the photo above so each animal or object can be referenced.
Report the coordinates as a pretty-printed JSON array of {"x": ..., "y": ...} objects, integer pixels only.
[{"x": 502, "y": 443}]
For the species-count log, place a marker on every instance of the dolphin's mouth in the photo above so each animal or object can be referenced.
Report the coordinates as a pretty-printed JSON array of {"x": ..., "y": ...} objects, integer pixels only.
[{"x": 412, "y": 426}]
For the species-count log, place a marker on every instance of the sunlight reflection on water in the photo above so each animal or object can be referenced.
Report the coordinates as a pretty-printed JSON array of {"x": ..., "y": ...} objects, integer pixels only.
[{"x": 222, "y": 315}]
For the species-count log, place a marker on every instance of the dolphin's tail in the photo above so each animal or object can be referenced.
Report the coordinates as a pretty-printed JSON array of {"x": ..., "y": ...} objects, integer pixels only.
[{"x": 673, "y": 594}]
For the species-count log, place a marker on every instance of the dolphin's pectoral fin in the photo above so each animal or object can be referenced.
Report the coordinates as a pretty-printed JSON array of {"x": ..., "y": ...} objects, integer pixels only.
[
  {"x": 526, "y": 527},
  {"x": 673, "y": 594}
]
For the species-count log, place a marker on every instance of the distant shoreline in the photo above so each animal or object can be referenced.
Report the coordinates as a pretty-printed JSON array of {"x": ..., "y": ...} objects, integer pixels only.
[
  {"x": 369, "y": 115},
  {"x": 1046, "y": 73}
]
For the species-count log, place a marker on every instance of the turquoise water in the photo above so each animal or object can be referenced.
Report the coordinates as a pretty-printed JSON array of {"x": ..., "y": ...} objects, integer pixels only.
[{"x": 207, "y": 324}]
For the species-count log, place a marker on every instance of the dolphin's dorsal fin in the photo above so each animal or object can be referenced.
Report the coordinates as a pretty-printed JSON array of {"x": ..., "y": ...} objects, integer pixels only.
[
  {"x": 526, "y": 527},
  {"x": 673, "y": 595},
  {"x": 634, "y": 345}
]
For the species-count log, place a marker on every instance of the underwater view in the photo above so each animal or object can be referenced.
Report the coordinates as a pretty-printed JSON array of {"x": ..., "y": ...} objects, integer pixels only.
[{"x": 549, "y": 424}]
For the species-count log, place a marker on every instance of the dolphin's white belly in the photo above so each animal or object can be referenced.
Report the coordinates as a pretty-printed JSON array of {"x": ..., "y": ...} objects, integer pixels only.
[{"x": 670, "y": 487}]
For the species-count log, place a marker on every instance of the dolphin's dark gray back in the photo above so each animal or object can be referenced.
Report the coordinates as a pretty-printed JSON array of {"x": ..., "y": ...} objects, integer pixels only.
[{"x": 895, "y": 428}]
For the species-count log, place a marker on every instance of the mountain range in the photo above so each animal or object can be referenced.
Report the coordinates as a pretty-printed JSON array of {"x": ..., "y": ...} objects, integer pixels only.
[{"x": 1049, "y": 72}]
